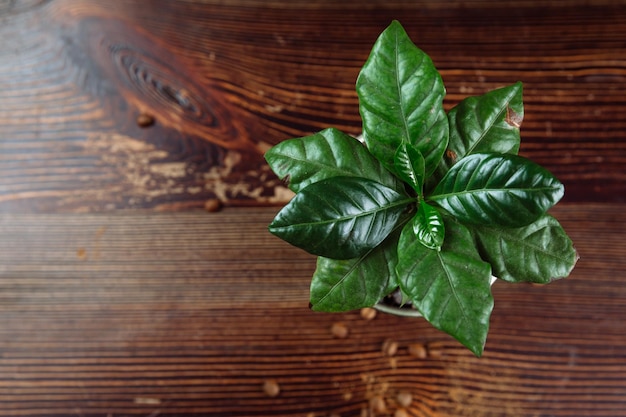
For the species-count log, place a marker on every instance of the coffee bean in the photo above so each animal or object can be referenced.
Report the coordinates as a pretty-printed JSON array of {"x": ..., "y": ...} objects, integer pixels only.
[
  {"x": 271, "y": 388},
  {"x": 368, "y": 313},
  {"x": 390, "y": 348},
  {"x": 213, "y": 205},
  {"x": 377, "y": 404},
  {"x": 404, "y": 399},
  {"x": 418, "y": 350},
  {"x": 145, "y": 120},
  {"x": 339, "y": 330}
]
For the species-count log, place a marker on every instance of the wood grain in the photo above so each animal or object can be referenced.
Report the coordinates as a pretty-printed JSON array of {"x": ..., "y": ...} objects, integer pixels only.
[
  {"x": 226, "y": 80},
  {"x": 181, "y": 314},
  {"x": 117, "y": 300}
]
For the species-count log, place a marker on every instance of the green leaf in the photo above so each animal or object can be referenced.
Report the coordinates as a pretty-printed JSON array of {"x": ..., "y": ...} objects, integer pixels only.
[
  {"x": 326, "y": 154},
  {"x": 428, "y": 226},
  {"x": 540, "y": 252},
  {"x": 340, "y": 217},
  {"x": 409, "y": 164},
  {"x": 485, "y": 124},
  {"x": 344, "y": 285},
  {"x": 505, "y": 190},
  {"x": 451, "y": 287},
  {"x": 400, "y": 99}
]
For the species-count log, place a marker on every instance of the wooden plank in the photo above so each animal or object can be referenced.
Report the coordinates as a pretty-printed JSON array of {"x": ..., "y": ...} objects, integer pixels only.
[
  {"x": 183, "y": 314},
  {"x": 226, "y": 80}
]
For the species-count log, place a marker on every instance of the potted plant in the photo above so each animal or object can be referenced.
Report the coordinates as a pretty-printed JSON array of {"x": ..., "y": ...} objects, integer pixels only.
[{"x": 430, "y": 205}]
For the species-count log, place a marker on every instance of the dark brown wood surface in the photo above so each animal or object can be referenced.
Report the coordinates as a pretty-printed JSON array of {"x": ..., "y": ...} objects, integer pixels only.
[
  {"x": 119, "y": 296},
  {"x": 189, "y": 313},
  {"x": 225, "y": 80}
]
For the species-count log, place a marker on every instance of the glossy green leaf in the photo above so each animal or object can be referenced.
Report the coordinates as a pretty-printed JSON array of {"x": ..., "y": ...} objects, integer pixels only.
[
  {"x": 340, "y": 217},
  {"x": 485, "y": 124},
  {"x": 450, "y": 288},
  {"x": 400, "y": 99},
  {"x": 427, "y": 226},
  {"x": 474, "y": 201},
  {"x": 326, "y": 154},
  {"x": 502, "y": 190},
  {"x": 409, "y": 164},
  {"x": 344, "y": 285},
  {"x": 540, "y": 252}
]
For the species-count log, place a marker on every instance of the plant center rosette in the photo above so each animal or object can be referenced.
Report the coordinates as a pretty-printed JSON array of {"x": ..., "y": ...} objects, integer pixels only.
[{"x": 429, "y": 205}]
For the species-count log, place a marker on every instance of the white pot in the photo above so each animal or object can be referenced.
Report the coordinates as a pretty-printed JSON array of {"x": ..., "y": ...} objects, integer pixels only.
[{"x": 406, "y": 312}]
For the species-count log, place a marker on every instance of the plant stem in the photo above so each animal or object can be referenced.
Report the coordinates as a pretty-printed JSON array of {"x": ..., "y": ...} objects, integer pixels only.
[
  {"x": 408, "y": 312},
  {"x": 403, "y": 312}
]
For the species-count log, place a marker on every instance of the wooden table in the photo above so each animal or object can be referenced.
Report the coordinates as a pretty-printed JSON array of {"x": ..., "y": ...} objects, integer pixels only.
[{"x": 120, "y": 295}]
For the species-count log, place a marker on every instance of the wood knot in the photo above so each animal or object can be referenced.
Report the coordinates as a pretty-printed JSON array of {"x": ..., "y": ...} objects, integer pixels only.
[
  {"x": 145, "y": 120},
  {"x": 160, "y": 85}
]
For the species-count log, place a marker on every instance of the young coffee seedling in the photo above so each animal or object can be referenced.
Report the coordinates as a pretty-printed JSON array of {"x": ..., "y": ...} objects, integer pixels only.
[{"x": 434, "y": 204}]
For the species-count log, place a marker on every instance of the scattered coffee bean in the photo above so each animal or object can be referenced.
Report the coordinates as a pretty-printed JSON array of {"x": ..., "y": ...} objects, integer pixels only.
[
  {"x": 339, "y": 330},
  {"x": 418, "y": 350},
  {"x": 390, "y": 348},
  {"x": 404, "y": 399},
  {"x": 271, "y": 388},
  {"x": 147, "y": 401},
  {"x": 213, "y": 205},
  {"x": 377, "y": 404},
  {"x": 145, "y": 120},
  {"x": 368, "y": 313}
]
